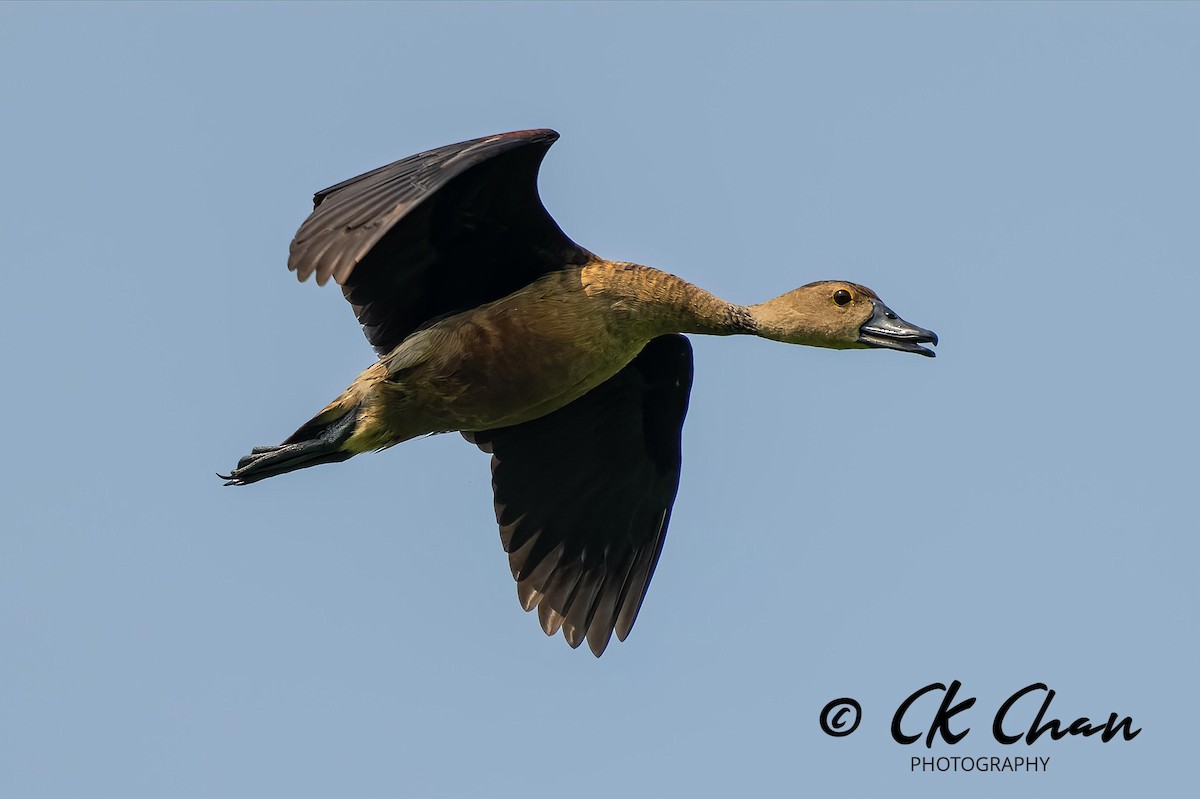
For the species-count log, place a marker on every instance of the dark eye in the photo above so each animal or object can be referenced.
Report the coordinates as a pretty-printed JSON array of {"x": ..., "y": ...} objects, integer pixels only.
[{"x": 842, "y": 297}]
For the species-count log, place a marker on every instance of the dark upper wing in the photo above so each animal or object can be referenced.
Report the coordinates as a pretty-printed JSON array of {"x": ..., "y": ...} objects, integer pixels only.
[
  {"x": 435, "y": 233},
  {"x": 584, "y": 494}
]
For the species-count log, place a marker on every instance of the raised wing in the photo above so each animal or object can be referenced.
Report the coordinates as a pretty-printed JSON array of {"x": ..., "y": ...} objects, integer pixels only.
[
  {"x": 436, "y": 233},
  {"x": 584, "y": 494}
]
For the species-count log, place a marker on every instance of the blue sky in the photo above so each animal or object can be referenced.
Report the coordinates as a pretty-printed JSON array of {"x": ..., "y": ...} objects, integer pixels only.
[{"x": 1020, "y": 178}]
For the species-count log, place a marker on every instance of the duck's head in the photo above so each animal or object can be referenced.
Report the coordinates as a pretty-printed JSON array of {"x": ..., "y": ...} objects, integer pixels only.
[{"x": 840, "y": 315}]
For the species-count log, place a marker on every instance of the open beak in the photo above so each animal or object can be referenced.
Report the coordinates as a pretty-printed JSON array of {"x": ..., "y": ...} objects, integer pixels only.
[{"x": 885, "y": 329}]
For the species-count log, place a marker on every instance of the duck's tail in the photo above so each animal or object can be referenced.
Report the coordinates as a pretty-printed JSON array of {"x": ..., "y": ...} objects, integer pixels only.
[{"x": 319, "y": 441}]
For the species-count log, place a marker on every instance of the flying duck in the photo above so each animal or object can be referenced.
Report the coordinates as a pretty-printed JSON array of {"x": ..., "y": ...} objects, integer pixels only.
[{"x": 569, "y": 369}]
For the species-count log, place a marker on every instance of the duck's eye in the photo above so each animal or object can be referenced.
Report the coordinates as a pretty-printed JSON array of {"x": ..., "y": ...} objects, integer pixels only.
[{"x": 842, "y": 297}]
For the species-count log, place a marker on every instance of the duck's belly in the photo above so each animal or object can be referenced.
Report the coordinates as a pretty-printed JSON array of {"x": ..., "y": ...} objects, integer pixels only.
[{"x": 504, "y": 365}]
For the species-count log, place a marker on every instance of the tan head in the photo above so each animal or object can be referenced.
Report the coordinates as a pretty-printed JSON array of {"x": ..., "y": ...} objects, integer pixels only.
[{"x": 839, "y": 315}]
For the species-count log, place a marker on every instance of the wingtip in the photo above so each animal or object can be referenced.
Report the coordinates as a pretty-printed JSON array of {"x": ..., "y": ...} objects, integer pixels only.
[
  {"x": 598, "y": 640},
  {"x": 535, "y": 135},
  {"x": 528, "y": 596},
  {"x": 573, "y": 634},
  {"x": 550, "y": 619}
]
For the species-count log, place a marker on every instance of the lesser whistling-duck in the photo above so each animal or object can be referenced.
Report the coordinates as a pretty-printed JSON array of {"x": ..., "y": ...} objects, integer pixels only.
[{"x": 567, "y": 368}]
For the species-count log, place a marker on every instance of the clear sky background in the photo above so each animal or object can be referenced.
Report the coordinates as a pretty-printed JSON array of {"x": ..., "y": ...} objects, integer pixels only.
[{"x": 1020, "y": 178}]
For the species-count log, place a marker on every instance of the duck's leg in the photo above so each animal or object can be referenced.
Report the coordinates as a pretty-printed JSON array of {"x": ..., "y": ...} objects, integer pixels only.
[{"x": 311, "y": 445}]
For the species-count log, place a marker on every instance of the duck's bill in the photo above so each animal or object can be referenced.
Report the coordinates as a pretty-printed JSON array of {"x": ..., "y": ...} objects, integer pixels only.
[{"x": 887, "y": 331}]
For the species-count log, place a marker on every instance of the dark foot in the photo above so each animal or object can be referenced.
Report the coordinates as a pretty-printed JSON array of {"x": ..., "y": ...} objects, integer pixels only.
[{"x": 264, "y": 462}]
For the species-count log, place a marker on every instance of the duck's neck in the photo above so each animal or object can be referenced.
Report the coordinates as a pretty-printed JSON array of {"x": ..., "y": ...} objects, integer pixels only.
[{"x": 666, "y": 303}]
